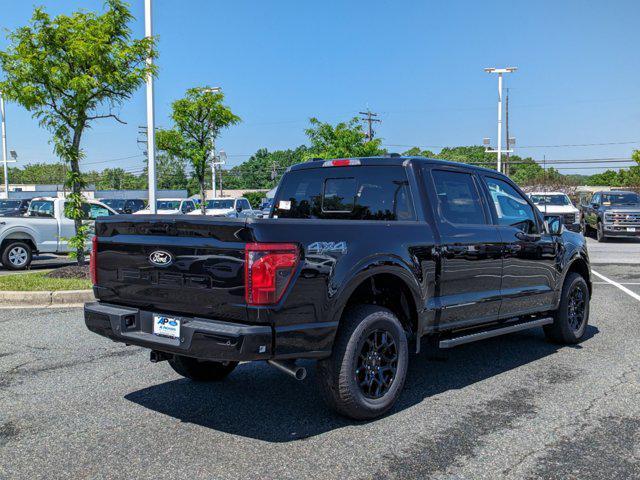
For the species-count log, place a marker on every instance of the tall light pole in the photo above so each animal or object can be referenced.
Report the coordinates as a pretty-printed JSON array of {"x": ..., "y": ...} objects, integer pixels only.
[
  {"x": 4, "y": 148},
  {"x": 213, "y": 145},
  {"x": 151, "y": 131},
  {"x": 500, "y": 72}
]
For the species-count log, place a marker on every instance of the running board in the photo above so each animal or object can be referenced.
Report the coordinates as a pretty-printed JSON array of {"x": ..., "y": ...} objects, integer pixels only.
[{"x": 453, "y": 342}]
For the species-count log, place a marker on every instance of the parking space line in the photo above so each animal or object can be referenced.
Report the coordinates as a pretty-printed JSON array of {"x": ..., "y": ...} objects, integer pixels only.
[{"x": 616, "y": 284}]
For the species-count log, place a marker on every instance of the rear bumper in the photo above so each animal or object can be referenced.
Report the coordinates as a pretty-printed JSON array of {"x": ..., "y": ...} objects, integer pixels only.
[
  {"x": 211, "y": 339},
  {"x": 199, "y": 338}
]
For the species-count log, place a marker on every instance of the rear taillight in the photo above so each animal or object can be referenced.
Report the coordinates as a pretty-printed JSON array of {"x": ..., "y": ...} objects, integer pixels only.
[
  {"x": 268, "y": 270},
  {"x": 93, "y": 260}
]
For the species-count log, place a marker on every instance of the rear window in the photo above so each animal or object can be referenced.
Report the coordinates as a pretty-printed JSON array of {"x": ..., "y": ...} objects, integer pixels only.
[{"x": 347, "y": 193}]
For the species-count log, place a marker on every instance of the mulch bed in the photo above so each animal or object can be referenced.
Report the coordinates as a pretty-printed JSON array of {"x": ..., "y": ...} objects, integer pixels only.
[{"x": 72, "y": 271}]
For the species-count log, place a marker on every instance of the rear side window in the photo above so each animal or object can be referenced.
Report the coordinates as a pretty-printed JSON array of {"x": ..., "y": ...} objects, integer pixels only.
[
  {"x": 458, "y": 198},
  {"x": 349, "y": 193}
]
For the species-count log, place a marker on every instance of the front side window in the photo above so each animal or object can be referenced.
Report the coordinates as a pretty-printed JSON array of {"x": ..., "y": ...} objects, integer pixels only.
[
  {"x": 91, "y": 211},
  {"x": 510, "y": 206},
  {"x": 244, "y": 203},
  {"x": 458, "y": 198}
]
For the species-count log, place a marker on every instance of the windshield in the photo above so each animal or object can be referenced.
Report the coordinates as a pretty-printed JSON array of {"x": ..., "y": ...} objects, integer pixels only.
[
  {"x": 629, "y": 198},
  {"x": 115, "y": 204},
  {"x": 558, "y": 200},
  {"x": 9, "y": 204},
  {"x": 222, "y": 204},
  {"x": 167, "y": 205}
]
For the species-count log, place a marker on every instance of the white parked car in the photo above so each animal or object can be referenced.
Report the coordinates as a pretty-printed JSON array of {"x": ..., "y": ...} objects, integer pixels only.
[
  {"x": 170, "y": 206},
  {"x": 557, "y": 204},
  {"x": 43, "y": 229},
  {"x": 228, "y": 207}
]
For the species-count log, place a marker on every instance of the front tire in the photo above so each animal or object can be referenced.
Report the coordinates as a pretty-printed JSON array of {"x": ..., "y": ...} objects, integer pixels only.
[
  {"x": 201, "y": 370},
  {"x": 17, "y": 256},
  {"x": 363, "y": 377},
  {"x": 600, "y": 236},
  {"x": 572, "y": 317}
]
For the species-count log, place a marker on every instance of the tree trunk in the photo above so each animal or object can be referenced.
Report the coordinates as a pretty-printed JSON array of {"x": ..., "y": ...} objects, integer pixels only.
[
  {"x": 203, "y": 199},
  {"x": 76, "y": 186}
]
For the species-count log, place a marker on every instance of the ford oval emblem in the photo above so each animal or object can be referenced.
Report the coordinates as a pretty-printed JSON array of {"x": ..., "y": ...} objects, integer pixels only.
[{"x": 160, "y": 258}]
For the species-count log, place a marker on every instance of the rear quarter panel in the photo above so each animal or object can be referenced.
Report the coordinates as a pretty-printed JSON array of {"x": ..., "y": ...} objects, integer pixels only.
[{"x": 336, "y": 256}]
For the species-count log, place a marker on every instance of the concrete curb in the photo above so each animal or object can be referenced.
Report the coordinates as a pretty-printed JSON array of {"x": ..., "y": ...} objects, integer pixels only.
[{"x": 45, "y": 298}]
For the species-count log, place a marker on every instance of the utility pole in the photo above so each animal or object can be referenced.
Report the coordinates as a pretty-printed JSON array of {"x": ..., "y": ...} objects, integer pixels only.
[
  {"x": 151, "y": 131},
  {"x": 4, "y": 148},
  {"x": 369, "y": 118},
  {"x": 506, "y": 115},
  {"x": 500, "y": 72}
]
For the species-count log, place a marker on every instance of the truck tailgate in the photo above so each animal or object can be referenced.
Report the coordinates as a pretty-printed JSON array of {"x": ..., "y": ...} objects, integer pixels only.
[{"x": 191, "y": 265}]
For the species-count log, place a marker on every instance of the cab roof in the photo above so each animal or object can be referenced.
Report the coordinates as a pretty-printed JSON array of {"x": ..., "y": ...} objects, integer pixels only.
[{"x": 392, "y": 160}]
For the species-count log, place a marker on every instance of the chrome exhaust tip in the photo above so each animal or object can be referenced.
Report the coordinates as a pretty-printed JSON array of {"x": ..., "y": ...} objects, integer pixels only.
[{"x": 289, "y": 367}]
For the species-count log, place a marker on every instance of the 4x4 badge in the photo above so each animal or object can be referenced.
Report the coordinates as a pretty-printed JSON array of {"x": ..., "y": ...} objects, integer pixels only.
[{"x": 327, "y": 247}]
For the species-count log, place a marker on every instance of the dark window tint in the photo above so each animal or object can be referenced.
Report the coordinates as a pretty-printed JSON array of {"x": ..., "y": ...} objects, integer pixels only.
[
  {"x": 458, "y": 198},
  {"x": 511, "y": 207},
  {"x": 353, "y": 193},
  {"x": 339, "y": 195}
]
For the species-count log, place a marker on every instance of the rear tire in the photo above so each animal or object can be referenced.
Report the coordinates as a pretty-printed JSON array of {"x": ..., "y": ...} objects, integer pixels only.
[
  {"x": 17, "y": 255},
  {"x": 363, "y": 377},
  {"x": 201, "y": 370},
  {"x": 572, "y": 317}
]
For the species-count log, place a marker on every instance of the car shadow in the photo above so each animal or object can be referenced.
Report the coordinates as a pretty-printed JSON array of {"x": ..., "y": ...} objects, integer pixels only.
[{"x": 260, "y": 402}]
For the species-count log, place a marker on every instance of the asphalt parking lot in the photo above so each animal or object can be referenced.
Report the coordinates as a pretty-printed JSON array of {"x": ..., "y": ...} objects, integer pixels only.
[{"x": 74, "y": 405}]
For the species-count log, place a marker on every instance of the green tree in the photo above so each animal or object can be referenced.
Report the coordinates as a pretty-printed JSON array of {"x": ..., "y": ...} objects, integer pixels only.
[
  {"x": 263, "y": 169},
  {"x": 69, "y": 71},
  {"x": 345, "y": 140},
  {"x": 198, "y": 119},
  {"x": 118, "y": 179},
  {"x": 170, "y": 172},
  {"x": 39, "y": 173},
  {"x": 416, "y": 152}
]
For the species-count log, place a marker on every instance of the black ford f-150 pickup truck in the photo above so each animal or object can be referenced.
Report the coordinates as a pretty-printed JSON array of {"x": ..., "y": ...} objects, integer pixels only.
[
  {"x": 611, "y": 214},
  {"x": 359, "y": 260}
]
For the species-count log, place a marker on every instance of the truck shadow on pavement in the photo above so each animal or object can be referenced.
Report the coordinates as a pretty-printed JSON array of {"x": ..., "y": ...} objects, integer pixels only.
[{"x": 257, "y": 401}]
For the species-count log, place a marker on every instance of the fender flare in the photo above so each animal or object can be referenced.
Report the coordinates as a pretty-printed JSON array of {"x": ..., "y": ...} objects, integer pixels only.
[
  {"x": 27, "y": 234},
  {"x": 576, "y": 257},
  {"x": 375, "y": 265}
]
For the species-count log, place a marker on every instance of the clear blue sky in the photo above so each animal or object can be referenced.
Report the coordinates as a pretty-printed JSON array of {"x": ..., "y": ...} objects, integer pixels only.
[{"x": 418, "y": 63}]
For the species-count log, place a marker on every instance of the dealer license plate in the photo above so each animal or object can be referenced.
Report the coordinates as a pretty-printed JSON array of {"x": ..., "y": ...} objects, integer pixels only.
[{"x": 166, "y": 326}]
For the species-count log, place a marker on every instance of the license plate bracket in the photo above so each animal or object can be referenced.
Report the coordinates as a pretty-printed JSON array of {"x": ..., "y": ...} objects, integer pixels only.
[{"x": 165, "y": 326}]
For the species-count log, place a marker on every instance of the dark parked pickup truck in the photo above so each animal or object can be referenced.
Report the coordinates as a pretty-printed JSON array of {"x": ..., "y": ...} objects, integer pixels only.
[
  {"x": 611, "y": 214},
  {"x": 360, "y": 260}
]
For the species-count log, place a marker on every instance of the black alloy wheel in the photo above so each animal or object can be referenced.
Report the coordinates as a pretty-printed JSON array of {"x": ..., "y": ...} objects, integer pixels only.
[
  {"x": 377, "y": 364},
  {"x": 576, "y": 308}
]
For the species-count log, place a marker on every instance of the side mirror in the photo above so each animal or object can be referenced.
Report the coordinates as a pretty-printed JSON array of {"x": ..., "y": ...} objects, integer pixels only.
[{"x": 555, "y": 226}]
